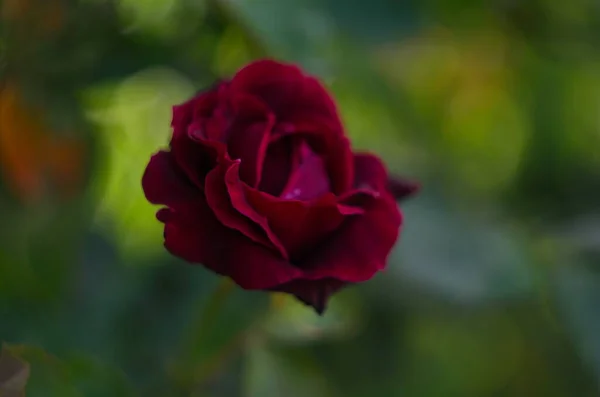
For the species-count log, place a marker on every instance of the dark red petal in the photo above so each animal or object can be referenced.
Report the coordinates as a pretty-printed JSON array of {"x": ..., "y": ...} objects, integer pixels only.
[
  {"x": 163, "y": 182},
  {"x": 248, "y": 137},
  {"x": 193, "y": 158},
  {"x": 300, "y": 225},
  {"x": 330, "y": 145},
  {"x": 217, "y": 197},
  {"x": 236, "y": 191},
  {"x": 195, "y": 235},
  {"x": 309, "y": 179},
  {"x": 360, "y": 247},
  {"x": 313, "y": 293},
  {"x": 369, "y": 172},
  {"x": 402, "y": 188},
  {"x": 370, "y": 177},
  {"x": 277, "y": 166},
  {"x": 199, "y": 107},
  {"x": 286, "y": 90}
]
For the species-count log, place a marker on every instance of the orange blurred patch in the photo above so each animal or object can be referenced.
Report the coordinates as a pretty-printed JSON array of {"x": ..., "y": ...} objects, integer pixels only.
[
  {"x": 44, "y": 15},
  {"x": 33, "y": 158}
]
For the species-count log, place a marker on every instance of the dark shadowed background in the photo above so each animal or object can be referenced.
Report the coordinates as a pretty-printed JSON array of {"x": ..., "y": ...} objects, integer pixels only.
[{"x": 493, "y": 290}]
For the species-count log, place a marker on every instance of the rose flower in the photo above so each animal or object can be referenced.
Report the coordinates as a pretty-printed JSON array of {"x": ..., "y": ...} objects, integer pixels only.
[{"x": 261, "y": 185}]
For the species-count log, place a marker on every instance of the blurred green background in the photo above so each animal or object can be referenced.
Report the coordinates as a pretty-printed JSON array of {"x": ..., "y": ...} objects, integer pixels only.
[{"x": 493, "y": 290}]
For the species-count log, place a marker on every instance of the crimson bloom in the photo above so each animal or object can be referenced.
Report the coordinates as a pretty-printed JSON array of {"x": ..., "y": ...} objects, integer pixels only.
[{"x": 261, "y": 185}]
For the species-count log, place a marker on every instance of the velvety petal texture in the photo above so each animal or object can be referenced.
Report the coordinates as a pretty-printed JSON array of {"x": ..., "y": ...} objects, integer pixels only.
[{"x": 260, "y": 184}]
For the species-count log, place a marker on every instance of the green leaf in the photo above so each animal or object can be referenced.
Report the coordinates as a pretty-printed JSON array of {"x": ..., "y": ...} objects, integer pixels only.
[
  {"x": 78, "y": 375},
  {"x": 50, "y": 377},
  {"x": 216, "y": 333},
  {"x": 271, "y": 374},
  {"x": 578, "y": 294},
  {"x": 94, "y": 379},
  {"x": 445, "y": 254},
  {"x": 380, "y": 22}
]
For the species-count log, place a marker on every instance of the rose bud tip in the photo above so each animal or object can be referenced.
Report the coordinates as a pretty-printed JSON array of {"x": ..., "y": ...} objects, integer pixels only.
[{"x": 402, "y": 188}]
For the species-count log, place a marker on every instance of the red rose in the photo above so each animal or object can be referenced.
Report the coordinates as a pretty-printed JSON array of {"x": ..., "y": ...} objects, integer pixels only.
[{"x": 261, "y": 185}]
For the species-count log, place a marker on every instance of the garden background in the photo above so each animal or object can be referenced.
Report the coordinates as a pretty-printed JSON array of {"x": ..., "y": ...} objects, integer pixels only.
[{"x": 493, "y": 290}]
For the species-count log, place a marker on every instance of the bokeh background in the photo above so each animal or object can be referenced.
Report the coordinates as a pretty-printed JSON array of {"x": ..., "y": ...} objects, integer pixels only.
[{"x": 493, "y": 290}]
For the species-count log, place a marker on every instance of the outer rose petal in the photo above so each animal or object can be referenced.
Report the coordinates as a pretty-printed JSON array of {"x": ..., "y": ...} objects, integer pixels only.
[
  {"x": 286, "y": 90},
  {"x": 199, "y": 107},
  {"x": 402, "y": 188},
  {"x": 369, "y": 172},
  {"x": 361, "y": 246},
  {"x": 163, "y": 182},
  {"x": 194, "y": 234},
  {"x": 192, "y": 157},
  {"x": 314, "y": 293}
]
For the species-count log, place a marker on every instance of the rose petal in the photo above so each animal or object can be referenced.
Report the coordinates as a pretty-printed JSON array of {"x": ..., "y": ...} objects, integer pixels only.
[
  {"x": 313, "y": 293},
  {"x": 199, "y": 107},
  {"x": 309, "y": 179},
  {"x": 402, "y": 188},
  {"x": 277, "y": 166},
  {"x": 193, "y": 233},
  {"x": 333, "y": 147},
  {"x": 219, "y": 201},
  {"x": 286, "y": 90},
  {"x": 249, "y": 135},
  {"x": 369, "y": 172},
  {"x": 224, "y": 194},
  {"x": 163, "y": 182},
  {"x": 193, "y": 158},
  {"x": 300, "y": 225},
  {"x": 360, "y": 247}
]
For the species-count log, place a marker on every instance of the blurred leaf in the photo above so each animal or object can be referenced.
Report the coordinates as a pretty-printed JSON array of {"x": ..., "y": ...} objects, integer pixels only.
[
  {"x": 14, "y": 374},
  {"x": 78, "y": 376},
  {"x": 293, "y": 321},
  {"x": 556, "y": 180},
  {"x": 582, "y": 234},
  {"x": 578, "y": 294},
  {"x": 93, "y": 379},
  {"x": 135, "y": 119},
  {"x": 233, "y": 51},
  {"x": 380, "y": 22},
  {"x": 49, "y": 376},
  {"x": 464, "y": 356},
  {"x": 367, "y": 364},
  {"x": 294, "y": 31},
  {"x": 444, "y": 254},
  {"x": 580, "y": 103},
  {"x": 212, "y": 339},
  {"x": 511, "y": 351},
  {"x": 148, "y": 15},
  {"x": 462, "y": 87},
  {"x": 271, "y": 374}
]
